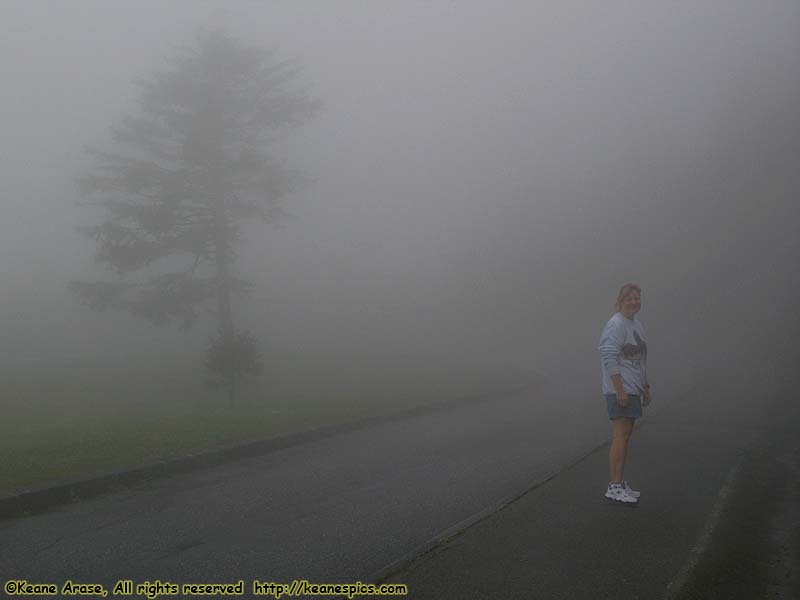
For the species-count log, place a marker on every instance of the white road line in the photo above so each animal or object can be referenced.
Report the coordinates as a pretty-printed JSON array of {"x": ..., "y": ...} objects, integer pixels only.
[{"x": 695, "y": 554}]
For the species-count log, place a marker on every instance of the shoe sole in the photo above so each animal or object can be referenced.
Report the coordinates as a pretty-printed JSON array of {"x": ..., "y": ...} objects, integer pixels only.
[{"x": 621, "y": 503}]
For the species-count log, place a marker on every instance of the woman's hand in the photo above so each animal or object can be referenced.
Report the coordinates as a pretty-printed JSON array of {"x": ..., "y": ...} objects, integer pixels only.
[
  {"x": 622, "y": 399},
  {"x": 647, "y": 397}
]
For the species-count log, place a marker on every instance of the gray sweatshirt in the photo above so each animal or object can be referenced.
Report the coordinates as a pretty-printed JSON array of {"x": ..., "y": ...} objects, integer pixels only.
[{"x": 623, "y": 352}]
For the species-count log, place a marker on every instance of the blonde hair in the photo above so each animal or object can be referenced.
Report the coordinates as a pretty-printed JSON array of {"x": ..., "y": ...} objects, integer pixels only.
[{"x": 624, "y": 291}]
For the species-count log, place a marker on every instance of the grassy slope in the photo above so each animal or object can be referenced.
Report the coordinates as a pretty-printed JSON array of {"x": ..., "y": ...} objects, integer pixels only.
[{"x": 63, "y": 422}]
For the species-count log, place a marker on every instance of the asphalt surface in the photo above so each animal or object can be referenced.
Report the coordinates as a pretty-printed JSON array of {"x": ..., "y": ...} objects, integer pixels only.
[
  {"x": 470, "y": 503},
  {"x": 719, "y": 515},
  {"x": 336, "y": 509}
]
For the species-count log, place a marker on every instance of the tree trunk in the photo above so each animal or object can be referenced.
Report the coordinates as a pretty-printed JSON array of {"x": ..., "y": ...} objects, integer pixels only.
[
  {"x": 222, "y": 248},
  {"x": 226, "y": 329}
]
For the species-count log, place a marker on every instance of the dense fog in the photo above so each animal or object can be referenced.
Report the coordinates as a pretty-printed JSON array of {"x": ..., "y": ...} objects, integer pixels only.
[{"x": 481, "y": 180}]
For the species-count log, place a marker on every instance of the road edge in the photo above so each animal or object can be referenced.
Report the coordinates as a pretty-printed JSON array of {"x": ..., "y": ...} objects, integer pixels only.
[{"x": 28, "y": 501}]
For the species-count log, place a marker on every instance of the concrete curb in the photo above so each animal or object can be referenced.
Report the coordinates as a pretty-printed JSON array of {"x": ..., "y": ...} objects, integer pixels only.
[
  {"x": 29, "y": 501},
  {"x": 442, "y": 539},
  {"x": 453, "y": 531}
]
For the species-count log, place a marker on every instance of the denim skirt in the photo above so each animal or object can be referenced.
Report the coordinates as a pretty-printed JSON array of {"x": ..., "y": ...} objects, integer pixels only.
[{"x": 633, "y": 410}]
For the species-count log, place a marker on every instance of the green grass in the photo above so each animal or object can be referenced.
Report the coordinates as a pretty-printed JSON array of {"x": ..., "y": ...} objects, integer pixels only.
[{"x": 63, "y": 422}]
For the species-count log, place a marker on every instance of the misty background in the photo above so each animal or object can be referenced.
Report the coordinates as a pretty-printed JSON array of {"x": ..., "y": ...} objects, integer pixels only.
[{"x": 484, "y": 178}]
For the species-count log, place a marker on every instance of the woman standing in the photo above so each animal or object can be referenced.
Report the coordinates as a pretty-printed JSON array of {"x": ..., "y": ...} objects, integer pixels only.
[{"x": 624, "y": 358}]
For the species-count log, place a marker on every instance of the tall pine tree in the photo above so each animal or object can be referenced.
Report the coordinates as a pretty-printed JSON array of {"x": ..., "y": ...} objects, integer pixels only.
[{"x": 180, "y": 177}]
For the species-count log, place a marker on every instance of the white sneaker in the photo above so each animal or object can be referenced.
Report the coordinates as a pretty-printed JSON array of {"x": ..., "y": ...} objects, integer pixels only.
[
  {"x": 631, "y": 492},
  {"x": 616, "y": 493}
]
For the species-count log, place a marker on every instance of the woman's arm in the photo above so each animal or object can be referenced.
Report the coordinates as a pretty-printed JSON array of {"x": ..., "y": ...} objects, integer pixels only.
[{"x": 611, "y": 342}]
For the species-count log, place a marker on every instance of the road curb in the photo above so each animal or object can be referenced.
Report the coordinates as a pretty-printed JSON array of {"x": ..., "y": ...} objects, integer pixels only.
[
  {"x": 457, "y": 529},
  {"x": 29, "y": 501}
]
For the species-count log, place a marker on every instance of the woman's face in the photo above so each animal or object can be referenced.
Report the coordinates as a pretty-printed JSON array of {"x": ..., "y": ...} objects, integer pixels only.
[{"x": 631, "y": 304}]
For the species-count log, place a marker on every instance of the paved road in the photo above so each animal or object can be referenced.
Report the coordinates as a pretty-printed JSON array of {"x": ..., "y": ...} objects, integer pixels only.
[
  {"x": 719, "y": 515},
  {"x": 343, "y": 508},
  {"x": 337, "y": 509}
]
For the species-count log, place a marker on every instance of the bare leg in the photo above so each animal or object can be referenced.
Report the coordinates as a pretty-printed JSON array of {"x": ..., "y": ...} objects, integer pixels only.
[{"x": 622, "y": 427}]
